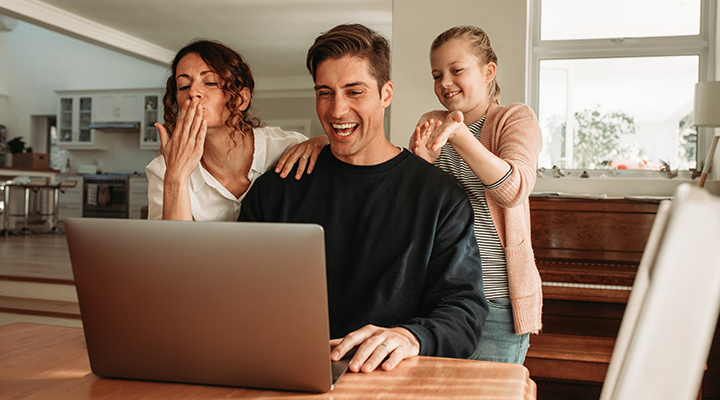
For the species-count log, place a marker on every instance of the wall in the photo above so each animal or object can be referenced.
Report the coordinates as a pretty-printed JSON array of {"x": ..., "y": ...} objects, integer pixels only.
[
  {"x": 35, "y": 62},
  {"x": 416, "y": 23},
  {"x": 278, "y": 108},
  {"x": 57, "y": 62}
]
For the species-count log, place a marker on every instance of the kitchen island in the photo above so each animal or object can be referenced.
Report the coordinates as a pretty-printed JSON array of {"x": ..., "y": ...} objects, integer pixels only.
[
  {"x": 8, "y": 173},
  {"x": 70, "y": 199}
]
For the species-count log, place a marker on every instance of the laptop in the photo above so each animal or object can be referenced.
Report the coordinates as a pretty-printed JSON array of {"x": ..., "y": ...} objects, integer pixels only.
[{"x": 215, "y": 303}]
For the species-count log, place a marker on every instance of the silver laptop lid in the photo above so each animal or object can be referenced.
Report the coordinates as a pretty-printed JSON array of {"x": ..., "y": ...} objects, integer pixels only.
[{"x": 221, "y": 303}]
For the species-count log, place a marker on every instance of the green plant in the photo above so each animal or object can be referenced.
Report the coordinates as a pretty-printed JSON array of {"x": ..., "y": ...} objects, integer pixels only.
[
  {"x": 597, "y": 141},
  {"x": 688, "y": 141},
  {"x": 17, "y": 145}
]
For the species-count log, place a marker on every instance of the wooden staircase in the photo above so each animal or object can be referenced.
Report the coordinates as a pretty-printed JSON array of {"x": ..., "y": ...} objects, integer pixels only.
[{"x": 36, "y": 283}]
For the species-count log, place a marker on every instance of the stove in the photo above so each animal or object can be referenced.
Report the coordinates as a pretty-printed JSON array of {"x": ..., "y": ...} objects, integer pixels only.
[{"x": 105, "y": 195}]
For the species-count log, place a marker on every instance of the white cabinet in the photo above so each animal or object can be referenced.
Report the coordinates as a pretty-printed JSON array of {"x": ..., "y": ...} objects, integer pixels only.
[
  {"x": 117, "y": 107},
  {"x": 78, "y": 109},
  {"x": 75, "y": 114},
  {"x": 152, "y": 113},
  {"x": 137, "y": 195},
  {"x": 70, "y": 204}
]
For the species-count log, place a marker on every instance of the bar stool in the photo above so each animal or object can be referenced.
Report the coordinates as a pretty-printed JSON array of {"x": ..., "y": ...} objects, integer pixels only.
[
  {"x": 5, "y": 208},
  {"x": 57, "y": 188},
  {"x": 27, "y": 186}
]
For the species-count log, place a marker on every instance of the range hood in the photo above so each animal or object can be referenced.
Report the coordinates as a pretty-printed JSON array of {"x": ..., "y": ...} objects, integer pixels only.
[{"x": 116, "y": 126}]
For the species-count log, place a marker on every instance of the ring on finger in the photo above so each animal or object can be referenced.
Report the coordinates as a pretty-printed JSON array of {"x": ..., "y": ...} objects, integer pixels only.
[
  {"x": 387, "y": 349},
  {"x": 305, "y": 157}
]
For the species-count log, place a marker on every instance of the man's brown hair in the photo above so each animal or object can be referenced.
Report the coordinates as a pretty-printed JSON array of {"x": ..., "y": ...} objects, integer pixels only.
[{"x": 353, "y": 40}]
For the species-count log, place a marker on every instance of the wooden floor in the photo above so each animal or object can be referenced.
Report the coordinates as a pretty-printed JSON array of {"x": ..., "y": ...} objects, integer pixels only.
[
  {"x": 36, "y": 281},
  {"x": 37, "y": 258}
]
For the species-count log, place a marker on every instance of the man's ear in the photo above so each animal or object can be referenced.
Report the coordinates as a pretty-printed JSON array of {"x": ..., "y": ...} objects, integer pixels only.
[
  {"x": 244, "y": 99},
  {"x": 386, "y": 94}
]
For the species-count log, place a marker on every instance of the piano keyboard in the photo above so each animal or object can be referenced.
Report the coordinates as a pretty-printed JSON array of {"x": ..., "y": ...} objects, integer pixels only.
[{"x": 587, "y": 286}]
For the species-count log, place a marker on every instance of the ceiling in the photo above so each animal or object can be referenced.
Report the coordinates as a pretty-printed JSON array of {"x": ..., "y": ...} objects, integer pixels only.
[{"x": 273, "y": 35}]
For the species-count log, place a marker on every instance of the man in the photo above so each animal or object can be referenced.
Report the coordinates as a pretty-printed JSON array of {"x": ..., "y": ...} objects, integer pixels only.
[{"x": 403, "y": 268}]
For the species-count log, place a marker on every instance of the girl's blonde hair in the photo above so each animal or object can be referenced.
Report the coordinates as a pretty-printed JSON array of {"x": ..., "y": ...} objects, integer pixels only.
[{"x": 479, "y": 44}]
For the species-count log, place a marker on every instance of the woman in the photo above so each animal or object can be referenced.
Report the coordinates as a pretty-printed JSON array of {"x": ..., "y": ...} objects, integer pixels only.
[{"x": 212, "y": 147}]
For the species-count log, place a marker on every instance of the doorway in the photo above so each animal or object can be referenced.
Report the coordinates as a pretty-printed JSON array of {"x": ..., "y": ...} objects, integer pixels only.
[{"x": 41, "y": 129}]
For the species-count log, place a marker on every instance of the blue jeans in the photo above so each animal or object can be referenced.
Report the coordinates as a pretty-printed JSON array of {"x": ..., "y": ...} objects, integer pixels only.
[{"x": 498, "y": 341}]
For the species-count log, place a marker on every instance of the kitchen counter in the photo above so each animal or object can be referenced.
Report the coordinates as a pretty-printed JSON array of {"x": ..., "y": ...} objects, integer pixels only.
[
  {"x": 51, "y": 176},
  {"x": 10, "y": 173}
]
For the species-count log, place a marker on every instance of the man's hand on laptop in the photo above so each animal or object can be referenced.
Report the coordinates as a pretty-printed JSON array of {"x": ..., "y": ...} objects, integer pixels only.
[{"x": 376, "y": 344}]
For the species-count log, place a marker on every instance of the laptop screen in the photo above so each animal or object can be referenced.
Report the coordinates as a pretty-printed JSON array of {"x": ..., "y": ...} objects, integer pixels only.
[{"x": 222, "y": 303}]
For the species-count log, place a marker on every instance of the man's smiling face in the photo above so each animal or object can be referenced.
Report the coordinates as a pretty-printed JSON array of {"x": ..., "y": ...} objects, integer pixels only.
[{"x": 351, "y": 108}]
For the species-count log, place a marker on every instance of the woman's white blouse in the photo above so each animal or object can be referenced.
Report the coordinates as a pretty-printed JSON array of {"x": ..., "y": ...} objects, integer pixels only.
[{"x": 209, "y": 199}]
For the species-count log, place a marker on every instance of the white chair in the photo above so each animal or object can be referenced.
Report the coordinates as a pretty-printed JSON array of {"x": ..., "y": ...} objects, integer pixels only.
[{"x": 670, "y": 318}]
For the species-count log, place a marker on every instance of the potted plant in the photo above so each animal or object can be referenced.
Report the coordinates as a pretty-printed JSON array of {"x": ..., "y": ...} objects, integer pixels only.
[
  {"x": 16, "y": 145},
  {"x": 23, "y": 157}
]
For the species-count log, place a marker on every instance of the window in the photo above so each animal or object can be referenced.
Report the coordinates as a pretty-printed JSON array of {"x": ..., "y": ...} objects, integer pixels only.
[{"x": 613, "y": 81}]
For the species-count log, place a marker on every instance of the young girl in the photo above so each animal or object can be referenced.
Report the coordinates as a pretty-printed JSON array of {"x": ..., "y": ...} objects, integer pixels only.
[{"x": 492, "y": 150}]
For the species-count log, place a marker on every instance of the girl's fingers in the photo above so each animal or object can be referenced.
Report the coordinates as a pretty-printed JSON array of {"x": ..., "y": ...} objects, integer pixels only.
[
  {"x": 456, "y": 116},
  {"x": 423, "y": 131},
  {"x": 415, "y": 138},
  {"x": 439, "y": 136}
]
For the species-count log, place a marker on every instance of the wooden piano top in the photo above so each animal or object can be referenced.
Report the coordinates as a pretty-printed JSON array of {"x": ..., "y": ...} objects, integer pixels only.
[{"x": 599, "y": 230}]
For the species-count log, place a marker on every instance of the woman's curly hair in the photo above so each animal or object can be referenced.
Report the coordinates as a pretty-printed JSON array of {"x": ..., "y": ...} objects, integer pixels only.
[{"x": 234, "y": 74}]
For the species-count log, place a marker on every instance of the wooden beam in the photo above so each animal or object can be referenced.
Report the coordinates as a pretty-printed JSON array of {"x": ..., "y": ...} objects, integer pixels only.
[{"x": 73, "y": 25}]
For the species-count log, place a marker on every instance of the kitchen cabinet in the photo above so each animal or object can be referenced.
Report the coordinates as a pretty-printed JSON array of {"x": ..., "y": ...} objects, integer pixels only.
[
  {"x": 79, "y": 108},
  {"x": 152, "y": 113},
  {"x": 70, "y": 204},
  {"x": 73, "y": 120},
  {"x": 137, "y": 195},
  {"x": 117, "y": 107}
]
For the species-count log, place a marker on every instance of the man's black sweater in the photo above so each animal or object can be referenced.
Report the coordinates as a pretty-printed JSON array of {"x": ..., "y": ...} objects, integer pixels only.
[{"x": 400, "y": 248}]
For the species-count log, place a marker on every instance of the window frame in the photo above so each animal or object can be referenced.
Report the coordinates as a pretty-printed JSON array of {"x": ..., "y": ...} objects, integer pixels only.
[{"x": 702, "y": 45}]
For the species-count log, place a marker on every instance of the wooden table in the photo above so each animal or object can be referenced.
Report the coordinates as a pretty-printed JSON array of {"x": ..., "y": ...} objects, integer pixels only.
[{"x": 50, "y": 362}]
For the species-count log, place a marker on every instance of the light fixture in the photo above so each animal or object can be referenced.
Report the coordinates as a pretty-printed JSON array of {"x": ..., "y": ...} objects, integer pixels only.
[
  {"x": 7, "y": 24},
  {"x": 707, "y": 114}
]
